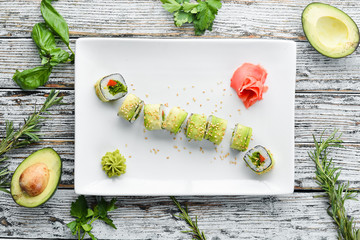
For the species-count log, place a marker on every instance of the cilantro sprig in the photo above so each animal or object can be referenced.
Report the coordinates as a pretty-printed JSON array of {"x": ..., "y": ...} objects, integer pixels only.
[
  {"x": 86, "y": 216},
  {"x": 201, "y": 13}
]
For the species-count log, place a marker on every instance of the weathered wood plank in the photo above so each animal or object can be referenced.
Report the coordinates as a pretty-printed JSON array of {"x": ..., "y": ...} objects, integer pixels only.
[
  {"x": 16, "y": 105},
  {"x": 239, "y": 18},
  {"x": 346, "y": 158},
  {"x": 298, "y": 216},
  {"x": 314, "y": 113},
  {"x": 314, "y": 71}
]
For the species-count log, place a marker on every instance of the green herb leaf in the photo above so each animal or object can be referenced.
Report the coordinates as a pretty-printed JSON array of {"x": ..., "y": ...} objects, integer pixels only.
[
  {"x": 190, "y": 7},
  {"x": 15, "y": 138},
  {"x": 43, "y": 38},
  {"x": 92, "y": 236},
  {"x": 79, "y": 207},
  {"x": 327, "y": 176},
  {"x": 201, "y": 14},
  {"x": 111, "y": 205},
  {"x": 214, "y": 5},
  {"x": 86, "y": 227},
  {"x": 32, "y": 78},
  {"x": 55, "y": 21},
  {"x": 73, "y": 226},
  {"x": 181, "y": 17},
  {"x": 171, "y": 5},
  {"x": 193, "y": 225},
  {"x": 102, "y": 208},
  {"x": 86, "y": 216},
  {"x": 57, "y": 56},
  {"x": 109, "y": 222}
]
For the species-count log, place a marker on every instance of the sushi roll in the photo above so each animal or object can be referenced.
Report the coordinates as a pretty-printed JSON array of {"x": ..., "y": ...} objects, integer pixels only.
[
  {"x": 196, "y": 127},
  {"x": 215, "y": 129},
  {"x": 241, "y": 137},
  {"x": 154, "y": 116},
  {"x": 175, "y": 119},
  {"x": 131, "y": 108},
  {"x": 259, "y": 159},
  {"x": 111, "y": 88}
]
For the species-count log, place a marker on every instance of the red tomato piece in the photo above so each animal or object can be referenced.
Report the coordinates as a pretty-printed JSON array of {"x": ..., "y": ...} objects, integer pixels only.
[{"x": 111, "y": 83}]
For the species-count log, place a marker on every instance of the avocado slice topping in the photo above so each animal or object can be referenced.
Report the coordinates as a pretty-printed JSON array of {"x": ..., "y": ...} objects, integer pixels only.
[
  {"x": 329, "y": 30},
  {"x": 36, "y": 179}
]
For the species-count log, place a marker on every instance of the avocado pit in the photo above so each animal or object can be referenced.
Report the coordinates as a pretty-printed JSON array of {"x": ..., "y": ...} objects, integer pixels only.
[{"x": 34, "y": 179}]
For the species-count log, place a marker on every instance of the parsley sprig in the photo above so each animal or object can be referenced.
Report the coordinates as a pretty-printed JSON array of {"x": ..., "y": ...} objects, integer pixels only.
[
  {"x": 327, "y": 176},
  {"x": 201, "y": 13},
  {"x": 86, "y": 216},
  {"x": 194, "y": 229}
]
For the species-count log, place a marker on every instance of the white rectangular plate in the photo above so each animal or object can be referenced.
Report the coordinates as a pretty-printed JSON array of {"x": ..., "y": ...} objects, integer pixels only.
[{"x": 195, "y": 75}]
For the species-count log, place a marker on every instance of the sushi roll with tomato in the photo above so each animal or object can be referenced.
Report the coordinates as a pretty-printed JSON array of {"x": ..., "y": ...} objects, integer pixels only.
[
  {"x": 111, "y": 87},
  {"x": 196, "y": 127},
  {"x": 175, "y": 119},
  {"x": 259, "y": 160},
  {"x": 131, "y": 108},
  {"x": 154, "y": 115}
]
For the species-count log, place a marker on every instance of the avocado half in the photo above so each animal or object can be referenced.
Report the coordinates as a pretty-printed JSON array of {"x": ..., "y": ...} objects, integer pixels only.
[
  {"x": 329, "y": 30},
  {"x": 36, "y": 179}
]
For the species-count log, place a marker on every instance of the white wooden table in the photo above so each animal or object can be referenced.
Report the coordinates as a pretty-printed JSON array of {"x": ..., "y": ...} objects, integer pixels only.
[{"x": 327, "y": 97}]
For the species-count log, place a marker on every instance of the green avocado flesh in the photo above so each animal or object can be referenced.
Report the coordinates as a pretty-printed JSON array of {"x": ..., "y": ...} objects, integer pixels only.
[
  {"x": 329, "y": 30},
  {"x": 44, "y": 157}
]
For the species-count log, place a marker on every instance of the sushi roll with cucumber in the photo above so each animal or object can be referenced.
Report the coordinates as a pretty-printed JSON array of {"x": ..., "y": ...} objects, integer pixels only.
[
  {"x": 131, "y": 108},
  {"x": 111, "y": 88},
  {"x": 154, "y": 115},
  {"x": 215, "y": 129},
  {"x": 175, "y": 119},
  {"x": 241, "y": 137},
  {"x": 259, "y": 159},
  {"x": 196, "y": 127}
]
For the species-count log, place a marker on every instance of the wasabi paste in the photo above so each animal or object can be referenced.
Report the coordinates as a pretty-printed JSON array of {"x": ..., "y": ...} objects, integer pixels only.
[{"x": 113, "y": 163}]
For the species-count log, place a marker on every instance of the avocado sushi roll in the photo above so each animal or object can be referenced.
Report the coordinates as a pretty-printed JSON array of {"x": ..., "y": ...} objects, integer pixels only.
[
  {"x": 259, "y": 159},
  {"x": 175, "y": 119},
  {"x": 215, "y": 130},
  {"x": 111, "y": 88},
  {"x": 196, "y": 127},
  {"x": 154, "y": 116},
  {"x": 241, "y": 137},
  {"x": 131, "y": 108}
]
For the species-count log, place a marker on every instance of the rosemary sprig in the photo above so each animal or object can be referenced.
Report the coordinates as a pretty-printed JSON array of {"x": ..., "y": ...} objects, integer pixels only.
[
  {"x": 24, "y": 135},
  {"x": 327, "y": 176},
  {"x": 195, "y": 231}
]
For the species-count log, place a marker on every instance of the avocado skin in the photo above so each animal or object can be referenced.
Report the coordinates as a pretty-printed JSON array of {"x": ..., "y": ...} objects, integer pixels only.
[
  {"x": 54, "y": 184},
  {"x": 328, "y": 5}
]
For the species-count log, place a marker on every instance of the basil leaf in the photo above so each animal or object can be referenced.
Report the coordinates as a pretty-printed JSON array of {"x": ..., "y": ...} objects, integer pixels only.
[
  {"x": 43, "y": 38},
  {"x": 57, "y": 55},
  {"x": 55, "y": 21},
  {"x": 32, "y": 78}
]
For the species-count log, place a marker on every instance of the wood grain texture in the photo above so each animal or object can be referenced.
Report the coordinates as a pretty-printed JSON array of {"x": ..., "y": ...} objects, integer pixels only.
[
  {"x": 144, "y": 18},
  {"x": 298, "y": 216},
  {"x": 315, "y": 72},
  {"x": 313, "y": 114},
  {"x": 327, "y": 97},
  {"x": 347, "y": 158}
]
